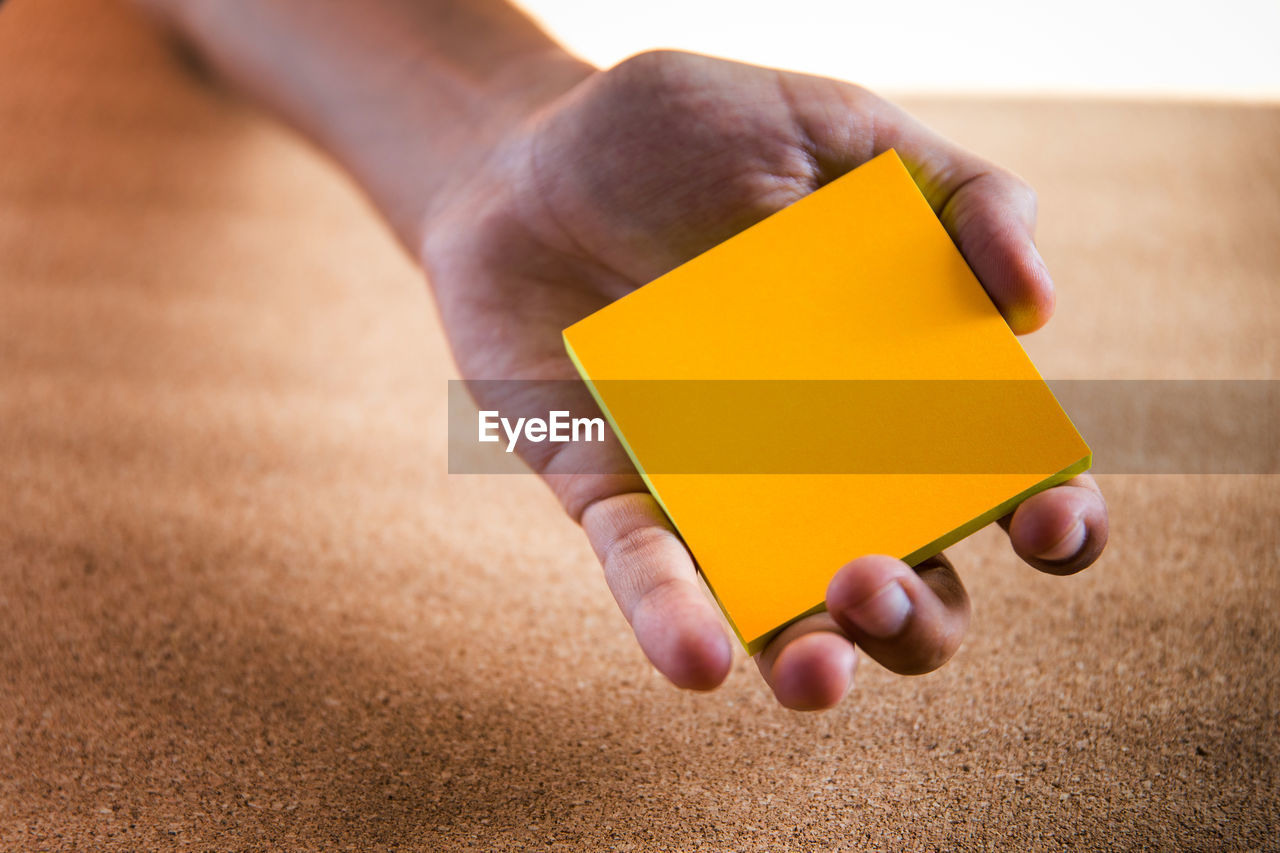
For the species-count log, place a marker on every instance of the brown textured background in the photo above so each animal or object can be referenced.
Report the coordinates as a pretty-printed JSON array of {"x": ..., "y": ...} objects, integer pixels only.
[{"x": 242, "y": 605}]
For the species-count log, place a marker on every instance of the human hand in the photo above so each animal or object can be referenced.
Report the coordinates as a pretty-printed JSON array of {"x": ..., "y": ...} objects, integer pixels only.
[{"x": 635, "y": 170}]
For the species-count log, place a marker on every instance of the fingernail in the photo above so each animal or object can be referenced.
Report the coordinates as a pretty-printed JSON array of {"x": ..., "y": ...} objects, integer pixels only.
[
  {"x": 1067, "y": 546},
  {"x": 884, "y": 614}
]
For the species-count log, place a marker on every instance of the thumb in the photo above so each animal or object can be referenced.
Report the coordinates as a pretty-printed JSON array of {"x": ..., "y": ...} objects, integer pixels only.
[{"x": 989, "y": 211}]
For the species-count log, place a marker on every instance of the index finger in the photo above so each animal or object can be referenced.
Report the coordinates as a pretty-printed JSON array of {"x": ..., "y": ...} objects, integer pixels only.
[{"x": 652, "y": 577}]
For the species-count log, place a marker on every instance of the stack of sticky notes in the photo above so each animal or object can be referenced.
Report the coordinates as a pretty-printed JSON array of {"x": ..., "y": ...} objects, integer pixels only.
[{"x": 831, "y": 382}]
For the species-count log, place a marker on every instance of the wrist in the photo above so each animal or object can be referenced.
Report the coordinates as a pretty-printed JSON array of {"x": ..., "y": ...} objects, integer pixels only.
[
  {"x": 406, "y": 94},
  {"x": 493, "y": 158},
  {"x": 527, "y": 81}
]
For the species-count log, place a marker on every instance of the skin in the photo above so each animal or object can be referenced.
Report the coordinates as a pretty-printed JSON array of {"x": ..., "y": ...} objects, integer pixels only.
[{"x": 535, "y": 189}]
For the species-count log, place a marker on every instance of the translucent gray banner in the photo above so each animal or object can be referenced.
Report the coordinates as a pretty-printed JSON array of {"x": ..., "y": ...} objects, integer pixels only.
[{"x": 863, "y": 427}]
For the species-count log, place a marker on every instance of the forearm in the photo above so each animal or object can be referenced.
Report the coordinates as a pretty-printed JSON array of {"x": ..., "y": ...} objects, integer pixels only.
[{"x": 403, "y": 93}]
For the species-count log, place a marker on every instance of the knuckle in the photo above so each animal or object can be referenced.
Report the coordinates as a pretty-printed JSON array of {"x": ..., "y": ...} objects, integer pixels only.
[
  {"x": 649, "y": 59},
  {"x": 1022, "y": 194},
  {"x": 861, "y": 99},
  {"x": 1030, "y": 196},
  {"x": 653, "y": 596},
  {"x": 637, "y": 545},
  {"x": 657, "y": 86},
  {"x": 651, "y": 67}
]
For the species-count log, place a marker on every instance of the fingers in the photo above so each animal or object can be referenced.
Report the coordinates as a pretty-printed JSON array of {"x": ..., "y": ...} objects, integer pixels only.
[
  {"x": 653, "y": 579},
  {"x": 911, "y": 621},
  {"x": 810, "y": 664},
  {"x": 646, "y": 566},
  {"x": 991, "y": 215},
  {"x": 1062, "y": 530},
  {"x": 989, "y": 212}
]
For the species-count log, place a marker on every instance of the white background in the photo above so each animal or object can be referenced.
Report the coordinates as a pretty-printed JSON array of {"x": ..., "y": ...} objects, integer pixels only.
[{"x": 1213, "y": 49}]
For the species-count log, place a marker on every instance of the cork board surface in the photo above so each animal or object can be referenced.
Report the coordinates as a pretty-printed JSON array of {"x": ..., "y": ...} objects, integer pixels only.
[{"x": 242, "y": 605}]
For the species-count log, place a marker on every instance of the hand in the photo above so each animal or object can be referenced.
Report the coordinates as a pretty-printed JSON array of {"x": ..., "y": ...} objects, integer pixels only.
[{"x": 628, "y": 174}]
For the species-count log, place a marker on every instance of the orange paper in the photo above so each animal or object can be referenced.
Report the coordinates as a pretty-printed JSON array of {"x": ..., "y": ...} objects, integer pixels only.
[{"x": 856, "y": 282}]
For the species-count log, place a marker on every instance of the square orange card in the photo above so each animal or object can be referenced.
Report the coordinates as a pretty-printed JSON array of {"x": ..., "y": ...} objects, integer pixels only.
[{"x": 831, "y": 382}]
